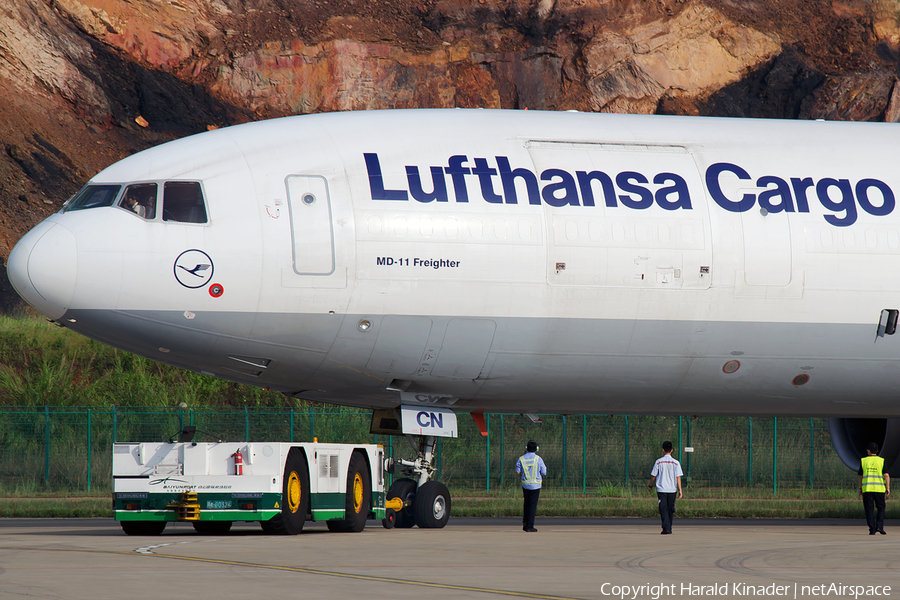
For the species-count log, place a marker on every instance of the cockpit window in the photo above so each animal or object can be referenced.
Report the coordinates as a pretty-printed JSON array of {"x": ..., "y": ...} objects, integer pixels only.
[
  {"x": 94, "y": 196},
  {"x": 140, "y": 198},
  {"x": 183, "y": 202}
]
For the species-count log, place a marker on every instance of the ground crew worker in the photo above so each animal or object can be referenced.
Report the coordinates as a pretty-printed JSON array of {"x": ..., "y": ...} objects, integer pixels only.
[
  {"x": 532, "y": 469},
  {"x": 666, "y": 474},
  {"x": 874, "y": 485}
]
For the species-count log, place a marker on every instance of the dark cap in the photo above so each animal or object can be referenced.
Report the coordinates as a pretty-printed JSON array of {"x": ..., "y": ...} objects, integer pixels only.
[
  {"x": 872, "y": 447},
  {"x": 667, "y": 446},
  {"x": 531, "y": 446}
]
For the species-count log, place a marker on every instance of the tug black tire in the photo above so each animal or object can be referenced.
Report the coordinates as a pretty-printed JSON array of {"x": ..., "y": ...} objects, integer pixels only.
[
  {"x": 390, "y": 517},
  {"x": 294, "y": 497}
]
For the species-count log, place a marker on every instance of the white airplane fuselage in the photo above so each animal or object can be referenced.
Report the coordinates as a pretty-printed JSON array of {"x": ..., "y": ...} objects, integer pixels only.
[{"x": 502, "y": 261}]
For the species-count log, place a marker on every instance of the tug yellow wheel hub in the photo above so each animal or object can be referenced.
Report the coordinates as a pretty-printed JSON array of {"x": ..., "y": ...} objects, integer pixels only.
[
  {"x": 294, "y": 492},
  {"x": 357, "y": 493}
]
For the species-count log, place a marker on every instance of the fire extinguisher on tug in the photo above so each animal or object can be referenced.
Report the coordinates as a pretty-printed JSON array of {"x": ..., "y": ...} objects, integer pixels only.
[{"x": 238, "y": 463}]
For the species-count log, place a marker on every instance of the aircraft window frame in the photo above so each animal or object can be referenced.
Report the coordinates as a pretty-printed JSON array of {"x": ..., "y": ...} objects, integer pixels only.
[
  {"x": 183, "y": 215},
  {"x": 145, "y": 205},
  {"x": 82, "y": 200}
]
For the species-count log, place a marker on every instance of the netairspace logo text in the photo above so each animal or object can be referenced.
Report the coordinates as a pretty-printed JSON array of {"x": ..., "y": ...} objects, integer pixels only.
[{"x": 741, "y": 590}]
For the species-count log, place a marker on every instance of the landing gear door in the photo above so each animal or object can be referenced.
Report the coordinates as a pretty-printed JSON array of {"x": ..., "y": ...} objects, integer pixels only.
[{"x": 312, "y": 234}]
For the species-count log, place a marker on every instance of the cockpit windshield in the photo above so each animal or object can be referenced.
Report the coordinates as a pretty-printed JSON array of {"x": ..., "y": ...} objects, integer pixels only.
[
  {"x": 94, "y": 196},
  {"x": 183, "y": 202},
  {"x": 180, "y": 201}
]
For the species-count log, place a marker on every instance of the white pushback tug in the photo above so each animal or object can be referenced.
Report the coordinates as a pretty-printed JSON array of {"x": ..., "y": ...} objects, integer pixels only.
[{"x": 282, "y": 485}]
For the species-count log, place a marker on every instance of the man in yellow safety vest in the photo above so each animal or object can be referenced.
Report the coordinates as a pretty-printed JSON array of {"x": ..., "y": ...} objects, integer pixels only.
[
  {"x": 874, "y": 485},
  {"x": 532, "y": 469}
]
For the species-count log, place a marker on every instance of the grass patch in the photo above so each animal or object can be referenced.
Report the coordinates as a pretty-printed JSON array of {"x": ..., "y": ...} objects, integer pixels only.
[
  {"x": 41, "y": 361},
  {"x": 753, "y": 504},
  {"x": 64, "y": 508},
  {"x": 712, "y": 504}
]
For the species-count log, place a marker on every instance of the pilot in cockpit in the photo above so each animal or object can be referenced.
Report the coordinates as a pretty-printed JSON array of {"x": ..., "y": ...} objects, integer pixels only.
[
  {"x": 141, "y": 199},
  {"x": 131, "y": 203}
]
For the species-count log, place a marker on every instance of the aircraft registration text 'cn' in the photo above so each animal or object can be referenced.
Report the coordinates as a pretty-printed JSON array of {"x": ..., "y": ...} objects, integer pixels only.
[{"x": 509, "y": 261}]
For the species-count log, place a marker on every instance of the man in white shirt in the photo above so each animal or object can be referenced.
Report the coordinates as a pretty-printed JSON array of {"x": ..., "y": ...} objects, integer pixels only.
[{"x": 666, "y": 474}]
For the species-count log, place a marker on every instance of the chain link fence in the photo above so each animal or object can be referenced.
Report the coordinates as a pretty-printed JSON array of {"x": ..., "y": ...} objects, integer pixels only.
[{"x": 65, "y": 449}]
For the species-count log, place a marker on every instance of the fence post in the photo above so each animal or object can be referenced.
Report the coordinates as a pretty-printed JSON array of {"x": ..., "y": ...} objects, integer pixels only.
[
  {"x": 487, "y": 453},
  {"x": 689, "y": 454},
  {"x": 502, "y": 443},
  {"x": 749, "y": 451},
  {"x": 191, "y": 414},
  {"x": 812, "y": 452},
  {"x": 774, "y": 455},
  {"x": 627, "y": 449},
  {"x": 89, "y": 450},
  {"x": 311, "y": 429},
  {"x": 391, "y": 454},
  {"x": 583, "y": 454},
  {"x": 437, "y": 460},
  {"x": 565, "y": 469},
  {"x": 115, "y": 416},
  {"x": 246, "y": 424},
  {"x": 46, "y": 446},
  {"x": 292, "y": 425},
  {"x": 679, "y": 439}
]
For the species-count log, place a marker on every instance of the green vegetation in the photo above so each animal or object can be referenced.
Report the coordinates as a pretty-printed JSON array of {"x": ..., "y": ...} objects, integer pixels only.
[
  {"x": 733, "y": 503},
  {"x": 62, "y": 508},
  {"x": 41, "y": 363}
]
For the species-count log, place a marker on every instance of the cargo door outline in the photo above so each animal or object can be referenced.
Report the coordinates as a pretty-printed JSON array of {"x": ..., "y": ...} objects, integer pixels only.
[
  {"x": 312, "y": 233},
  {"x": 612, "y": 246}
]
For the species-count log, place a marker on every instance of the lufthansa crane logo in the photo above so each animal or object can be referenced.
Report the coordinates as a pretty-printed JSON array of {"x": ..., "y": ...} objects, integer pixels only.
[{"x": 193, "y": 268}]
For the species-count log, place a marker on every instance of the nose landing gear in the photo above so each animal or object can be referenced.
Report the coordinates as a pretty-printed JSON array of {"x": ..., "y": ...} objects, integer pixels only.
[{"x": 415, "y": 498}]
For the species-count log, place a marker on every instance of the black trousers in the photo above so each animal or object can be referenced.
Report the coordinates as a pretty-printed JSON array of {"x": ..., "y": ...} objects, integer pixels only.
[
  {"x": 666, "y": 509},
  {"x": 873, "y": 502},
  {"x": 529, "y": 507}
]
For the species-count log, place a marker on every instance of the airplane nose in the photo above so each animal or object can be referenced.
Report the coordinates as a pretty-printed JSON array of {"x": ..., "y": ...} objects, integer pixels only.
[{"x": 42, "y": 268}]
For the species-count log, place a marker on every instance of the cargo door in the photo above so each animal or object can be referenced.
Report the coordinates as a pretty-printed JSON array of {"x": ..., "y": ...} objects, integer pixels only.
[{"x": 633, "y": 215}]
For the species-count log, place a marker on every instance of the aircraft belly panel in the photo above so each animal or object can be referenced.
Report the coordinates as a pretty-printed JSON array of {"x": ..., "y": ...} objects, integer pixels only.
[
  {"x": 464, "y": 349},
  {"x": 519, "y": 363},
  {"x": 400, "y": 344}
]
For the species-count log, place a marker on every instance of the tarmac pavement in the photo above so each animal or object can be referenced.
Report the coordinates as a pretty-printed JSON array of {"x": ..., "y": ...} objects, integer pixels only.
[{"x": 583, "y": 558}]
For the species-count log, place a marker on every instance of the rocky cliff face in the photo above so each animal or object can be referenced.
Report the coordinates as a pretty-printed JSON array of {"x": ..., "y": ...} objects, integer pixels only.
[{"x": 85, "y": 82}]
